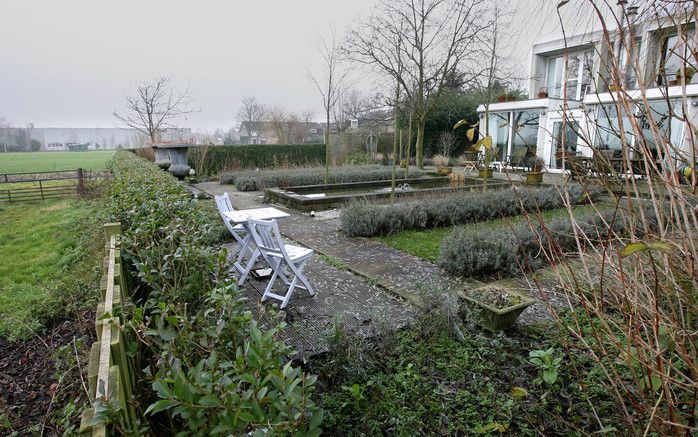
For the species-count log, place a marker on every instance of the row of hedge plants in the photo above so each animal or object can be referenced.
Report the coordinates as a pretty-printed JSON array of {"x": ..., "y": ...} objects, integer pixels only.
[
  {"x": 211, "y": 160},
  {"x": 210, "y": 367},
  {"x": 283, "y": 178},
  {"x": 527, "y": 246},
  {"x": 370, "y": 220}
]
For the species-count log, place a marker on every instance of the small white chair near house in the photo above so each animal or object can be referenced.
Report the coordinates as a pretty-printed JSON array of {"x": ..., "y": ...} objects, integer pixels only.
[
  {"x": 279, "y": 255},
  {"x": 238, "y": 231}
]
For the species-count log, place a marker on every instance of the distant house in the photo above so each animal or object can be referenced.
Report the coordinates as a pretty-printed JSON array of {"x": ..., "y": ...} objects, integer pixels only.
[
  {"x": 73, "y": 139},
  {"x": 286, "y": 132}
]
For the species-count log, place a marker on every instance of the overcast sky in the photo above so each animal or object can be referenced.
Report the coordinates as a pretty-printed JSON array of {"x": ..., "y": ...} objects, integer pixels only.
[{"x": 67, "y": 63}]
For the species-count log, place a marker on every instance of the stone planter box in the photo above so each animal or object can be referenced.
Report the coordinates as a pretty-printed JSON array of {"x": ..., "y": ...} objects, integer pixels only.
[
  {"x": 485, "y": 173},
  {"x": 497, "y": 319},
  {"x": 178, "y": 156},
  {"x": 162, "y": 157},
  {"x": 534, "y": 177}
]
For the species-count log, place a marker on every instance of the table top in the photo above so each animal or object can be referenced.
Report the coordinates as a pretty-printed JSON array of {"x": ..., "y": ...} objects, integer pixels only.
[{"x": 241, "y": 216}]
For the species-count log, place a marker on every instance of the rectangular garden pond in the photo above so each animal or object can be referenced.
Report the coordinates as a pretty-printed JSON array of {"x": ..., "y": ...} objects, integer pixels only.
[{"x": 322, "y": 197}]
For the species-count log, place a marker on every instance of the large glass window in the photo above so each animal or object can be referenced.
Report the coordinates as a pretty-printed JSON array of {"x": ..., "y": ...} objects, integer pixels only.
[
  {"x": 576, "y": 76},
  {"x": 498, "y": 129},
  {"x": 526, "y": 129},
  {"x": 670, "y": 127},
  {"x": 564, "y": 142},
  {"x": 675, "y": 52},
  {"x": 608, "y": 132}
]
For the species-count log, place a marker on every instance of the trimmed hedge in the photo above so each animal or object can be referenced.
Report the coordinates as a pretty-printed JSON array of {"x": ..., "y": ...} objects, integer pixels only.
[
  {"x": 368, "y": 220},
  {"x": 258, "y": 155},
  {"x": 252, "y": 180},
  {"x": 212, "y": 369},
  {"x": 506, "y": 251}
]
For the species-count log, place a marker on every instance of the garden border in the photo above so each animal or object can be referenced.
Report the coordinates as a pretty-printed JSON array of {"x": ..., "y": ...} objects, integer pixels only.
[{"x": 110, "y": 369}]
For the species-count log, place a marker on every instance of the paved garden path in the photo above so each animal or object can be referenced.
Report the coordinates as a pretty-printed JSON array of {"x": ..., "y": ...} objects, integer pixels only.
[{"x": 397, "y": 272}]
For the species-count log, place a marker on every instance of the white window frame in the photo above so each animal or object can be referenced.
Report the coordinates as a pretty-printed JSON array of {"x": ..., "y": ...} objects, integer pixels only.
[{"x": 579, "y": 77}]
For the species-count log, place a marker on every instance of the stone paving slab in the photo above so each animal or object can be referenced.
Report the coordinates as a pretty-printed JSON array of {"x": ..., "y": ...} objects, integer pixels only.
[{"x": 341, "y": 298}]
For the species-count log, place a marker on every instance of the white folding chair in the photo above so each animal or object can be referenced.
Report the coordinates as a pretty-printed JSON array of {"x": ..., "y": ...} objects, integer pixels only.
[
  {"x": 278, "y": 254},
  {"x": 239, "y": 232}
]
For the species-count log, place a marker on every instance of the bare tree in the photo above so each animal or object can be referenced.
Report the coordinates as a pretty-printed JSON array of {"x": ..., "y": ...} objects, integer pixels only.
[
  {"x": 3, "y": 137},
  {"x": 437, "y": 37},
  {"x": 308, "y": 116},
  {"x": 155, "y": 106},
  {"x": 329, "y": 82},
  {"x": 251, "y": 111},
  {"x": 278, "y": 118}
]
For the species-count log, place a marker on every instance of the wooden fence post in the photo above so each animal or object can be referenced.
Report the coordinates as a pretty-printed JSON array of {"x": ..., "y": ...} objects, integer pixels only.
[{"x": 81, "y": 181}]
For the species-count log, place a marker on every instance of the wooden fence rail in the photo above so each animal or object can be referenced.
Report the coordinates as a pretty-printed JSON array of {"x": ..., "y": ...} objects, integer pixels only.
[
  {"x": 111, "y": 371},
  {"x": 43, "y": 185}
]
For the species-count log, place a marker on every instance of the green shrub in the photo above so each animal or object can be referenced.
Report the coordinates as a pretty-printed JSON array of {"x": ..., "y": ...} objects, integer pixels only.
[
  {"x": 508, "y": 251},
  {"x": 262, "y": 179},
  {"x": 219, "y": 158},
  {"x": 368, "y": 220},
  {"x": 212, "y": 368}
]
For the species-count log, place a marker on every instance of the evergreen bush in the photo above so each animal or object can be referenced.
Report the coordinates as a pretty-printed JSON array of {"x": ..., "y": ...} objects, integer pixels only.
[
  {"x": 211, "y": 368},
  {"x": 219, "y": 158},
  {"x": 369, "y": 220},
  {"x": 252, "y": 180}
]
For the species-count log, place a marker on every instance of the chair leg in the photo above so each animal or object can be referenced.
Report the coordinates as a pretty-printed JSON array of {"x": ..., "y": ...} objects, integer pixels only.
[
  {"x": 298, "y": 272},
  {"x": 267, "y": 290},
  {"x": 248, "y": 268}
]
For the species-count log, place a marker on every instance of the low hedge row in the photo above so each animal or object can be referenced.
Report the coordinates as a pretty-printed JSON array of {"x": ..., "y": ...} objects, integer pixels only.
[
  {"x": 219, "y": 158},
  {"x": 368, "y": 220},
  {"x": 508, "y": 251},
  {"x": 211, "y": 368},
  {"x": 262, "y": 179}
]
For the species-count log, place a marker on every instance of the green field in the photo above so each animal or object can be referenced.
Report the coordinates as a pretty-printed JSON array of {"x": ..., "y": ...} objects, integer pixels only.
[
  {"x": 46, "y": 262},
  {"x": 52, "y": 161}
]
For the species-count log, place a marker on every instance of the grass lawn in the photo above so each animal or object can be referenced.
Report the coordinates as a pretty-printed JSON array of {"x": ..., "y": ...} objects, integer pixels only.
[
  {"x": 46, "y": 262},
  {"x": 52, "y": 161},
  {"x": 427, "y": 243}
]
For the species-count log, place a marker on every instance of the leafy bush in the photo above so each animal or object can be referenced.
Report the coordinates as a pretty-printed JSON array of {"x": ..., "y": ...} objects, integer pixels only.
[
  {"x": 257, "y": 155},
  {"x": 212, "y": 368},
  {"x": 495, "y": 251},
  {"x": 367, "y": 220},
  {"x": 259, "y": 180}
]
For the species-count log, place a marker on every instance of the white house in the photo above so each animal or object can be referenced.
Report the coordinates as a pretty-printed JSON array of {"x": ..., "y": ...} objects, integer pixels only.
[{"x": 576, "y": 66}]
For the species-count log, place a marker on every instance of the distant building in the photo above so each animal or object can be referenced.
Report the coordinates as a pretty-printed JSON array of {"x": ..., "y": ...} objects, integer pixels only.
[
  {"x": 286, "y": 132},
  {"x": 55, "y": 139}
]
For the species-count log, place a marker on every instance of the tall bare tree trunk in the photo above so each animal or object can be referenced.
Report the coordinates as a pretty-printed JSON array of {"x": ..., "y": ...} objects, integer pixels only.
[
  {"x": 395, "y": 141},
  {"x": 327, "y": 149},
  {"x": 408, "y": 153},
  {"x": 421, "y": 122}
]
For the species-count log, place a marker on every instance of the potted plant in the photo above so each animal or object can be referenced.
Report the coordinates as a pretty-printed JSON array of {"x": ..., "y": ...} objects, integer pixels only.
[
  {"x": 535, "y": 174},
  {"x": 496, "y": 308},
  {"x": 543, "y": 93},
  {"x": 688, "y": 73},
  {"x": 442, "y": 164},
  {"x": 485, "y": 171},
  {"x": 511, "y": 97},
  {"x": 502, "y": 98}
]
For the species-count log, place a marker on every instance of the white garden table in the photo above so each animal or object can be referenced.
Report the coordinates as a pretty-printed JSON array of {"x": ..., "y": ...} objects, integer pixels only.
[{"x": 240, "y": 217}]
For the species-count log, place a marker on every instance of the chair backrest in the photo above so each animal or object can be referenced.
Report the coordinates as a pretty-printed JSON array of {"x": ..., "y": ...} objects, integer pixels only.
[
  {"x": 267, "y": 236},
  {"x": 224, "y": 205}
]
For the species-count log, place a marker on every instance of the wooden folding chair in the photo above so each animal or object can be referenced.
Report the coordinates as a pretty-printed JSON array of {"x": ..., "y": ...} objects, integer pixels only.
[{"x": 279, "y": 255}]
